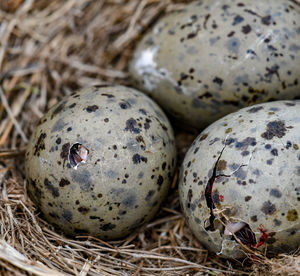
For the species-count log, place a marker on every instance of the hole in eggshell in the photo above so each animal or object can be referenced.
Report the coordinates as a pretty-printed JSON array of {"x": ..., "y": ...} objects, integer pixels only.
[
  {"x": 241, "y": 231},
  {"x": 77, "y": 154}
]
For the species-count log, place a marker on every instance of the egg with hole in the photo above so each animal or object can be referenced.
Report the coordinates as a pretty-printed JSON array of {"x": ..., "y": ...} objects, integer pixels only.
[
  {"x": 239, "y": 183},
  {"x": 100, "y": 162},
  {"x": 211, "y": 58}
]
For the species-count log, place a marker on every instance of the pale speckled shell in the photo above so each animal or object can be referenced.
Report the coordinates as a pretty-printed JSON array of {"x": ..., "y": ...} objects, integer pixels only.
[
  {"x": 261, "y": 159},
  {"x": 214, "y": 57},
  {"x": 127, "y": 172}
]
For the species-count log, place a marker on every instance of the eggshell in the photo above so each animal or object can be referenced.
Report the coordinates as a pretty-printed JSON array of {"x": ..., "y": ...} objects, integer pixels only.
[
  {"x": 214, "y": 57},
  {"x": 245, "y": 168},
  {"x": 100, "y": 162}
]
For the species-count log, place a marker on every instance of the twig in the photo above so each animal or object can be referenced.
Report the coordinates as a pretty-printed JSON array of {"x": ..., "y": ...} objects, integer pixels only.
[
  {"x": 10, "y": 114},
  {"x": 12, "y": 153}
]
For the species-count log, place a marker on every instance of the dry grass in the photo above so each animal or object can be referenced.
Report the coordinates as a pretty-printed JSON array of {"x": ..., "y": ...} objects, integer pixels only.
[{"x": 48, "y": 49}]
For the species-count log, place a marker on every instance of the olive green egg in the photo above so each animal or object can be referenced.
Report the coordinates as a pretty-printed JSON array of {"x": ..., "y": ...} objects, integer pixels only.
[
  {"x": 211, "y": 58},
  {"x": 100, "y": 162},
  {"x": 239, "y": 183}
]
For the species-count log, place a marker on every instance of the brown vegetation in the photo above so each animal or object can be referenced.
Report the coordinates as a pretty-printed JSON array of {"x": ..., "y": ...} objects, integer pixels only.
[{"x": 48, "y": 49}]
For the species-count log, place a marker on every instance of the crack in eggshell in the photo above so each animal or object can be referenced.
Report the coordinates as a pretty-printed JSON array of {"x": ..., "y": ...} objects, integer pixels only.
[{"x": 233, "y": 225}]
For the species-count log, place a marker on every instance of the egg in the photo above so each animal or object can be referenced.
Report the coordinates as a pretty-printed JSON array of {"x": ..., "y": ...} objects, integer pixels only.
[
  {"x": 239, "y": 183},
  {"x": 215, "y": 57},
  {"x": 100, "y": 162}
]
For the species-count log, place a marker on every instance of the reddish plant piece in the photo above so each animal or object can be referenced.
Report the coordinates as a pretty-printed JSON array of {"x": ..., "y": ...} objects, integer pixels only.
[
  {"x": 263, "y": 238},
  {"x": 254, "y": 258},
  {"x": 221, "y": 198}
]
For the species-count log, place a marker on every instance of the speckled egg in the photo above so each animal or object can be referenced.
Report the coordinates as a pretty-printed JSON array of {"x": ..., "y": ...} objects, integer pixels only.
[
  {"x": 214, "y": 57},
  {"x": 240, "y": 181},
  {"x": 100, "y": 162}
]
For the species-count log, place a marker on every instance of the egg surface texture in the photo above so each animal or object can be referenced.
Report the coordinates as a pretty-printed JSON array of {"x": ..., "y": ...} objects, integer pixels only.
[
  {"x": 214, "y": 57},
  {"x": 100, "y": 162},
  {"x": 240, "y": 180}
]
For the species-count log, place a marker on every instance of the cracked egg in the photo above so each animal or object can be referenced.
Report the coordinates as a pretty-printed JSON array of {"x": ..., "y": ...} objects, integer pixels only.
[
  {"x": 239, "y": 183},
  {"x": 100, "y": 162},
  {"x": 211, "y": 58}
]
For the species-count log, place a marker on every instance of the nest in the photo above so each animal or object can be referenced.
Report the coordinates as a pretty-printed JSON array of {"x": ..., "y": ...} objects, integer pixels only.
[{"x": 49, "y": 49}]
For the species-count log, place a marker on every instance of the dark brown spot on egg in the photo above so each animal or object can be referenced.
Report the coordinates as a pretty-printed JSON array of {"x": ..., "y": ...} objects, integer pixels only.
[
  {"x": 124, "y": 105},
  {"x": 107, "y": 227},
  {"x": 136, "y": 158},
  {"x": 266, "y": 20},
  {"x": 203, "y": 137},
  {"x": 58, "y": 109},
  {"x": 254, "y": 218},
  {"x": 40, "y": 144},
  {"x": 50, "y": 187},
  {"x": 131, "y": 125},
  {"x": 41, "y": 121},
  {"x": 274, "y": 152},
  {"x": 150, "y": 195},
  {"x": 255, "y": 109},
  {"x": 274, "y": 128},
  {"x": 272, "y": 71},
  {"x": 218, "y": 81},
  {"x": 140, "y": 139},
  {"x": 160, "y": 180},
  {"x": 83, "y": 210},
  {"x": 91, "y": 108},
  {"x": 268, "y": 208},
  {"x": 64, "y": 182},
  {"x": 246, "y": 29},
  {"x": 231, "y": 34},
  {"x": 247, "y": 198},
  {"x": 94, "y": 217},
  {"x": 107, "y": 95},
  {"x": 206, "y": 95},
  {"x": 207, "y": 16},
  {"x": 65, "y": 152},
  {"x": 190, "y": 195},
  {"x": 54, "y": 215}
]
